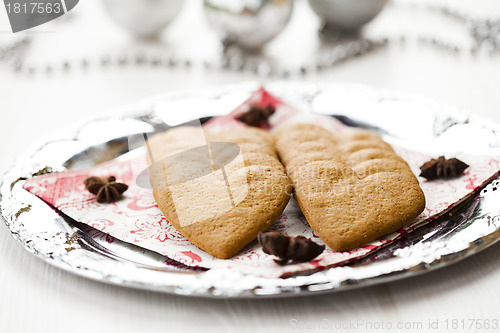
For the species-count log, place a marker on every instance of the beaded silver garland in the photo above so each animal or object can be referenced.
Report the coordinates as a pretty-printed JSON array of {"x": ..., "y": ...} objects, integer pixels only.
[
  {"x": 485, "y": 35},
  {"x": 239, "y": 61}
]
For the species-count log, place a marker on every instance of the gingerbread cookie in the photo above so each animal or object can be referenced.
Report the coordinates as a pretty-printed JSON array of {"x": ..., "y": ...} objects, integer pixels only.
[
  {"x": 218, "y": 198},
  {"x": 351, "y": 186}
]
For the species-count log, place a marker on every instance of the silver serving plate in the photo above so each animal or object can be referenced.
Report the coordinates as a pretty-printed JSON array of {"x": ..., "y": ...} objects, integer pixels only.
[{"x": 416, "y": 122}]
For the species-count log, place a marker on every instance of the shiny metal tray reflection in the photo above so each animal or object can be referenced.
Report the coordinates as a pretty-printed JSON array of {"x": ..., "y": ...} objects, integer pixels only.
[{"x": 77, "y": 248}]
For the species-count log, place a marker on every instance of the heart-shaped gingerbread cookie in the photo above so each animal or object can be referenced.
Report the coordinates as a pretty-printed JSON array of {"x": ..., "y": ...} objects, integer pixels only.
[
  {"x": 351, "y": 186},
  {"x": 219, "y": 194}
]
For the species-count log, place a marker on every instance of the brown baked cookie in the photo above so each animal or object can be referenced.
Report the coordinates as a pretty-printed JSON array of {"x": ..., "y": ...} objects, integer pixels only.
[
  {"x": 351, "y": 186},
  {"x": 218, "y": 209}
]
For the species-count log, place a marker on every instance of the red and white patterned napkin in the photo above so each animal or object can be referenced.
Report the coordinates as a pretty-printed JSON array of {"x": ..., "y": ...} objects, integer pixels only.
[{"x": 136, "y": 218}]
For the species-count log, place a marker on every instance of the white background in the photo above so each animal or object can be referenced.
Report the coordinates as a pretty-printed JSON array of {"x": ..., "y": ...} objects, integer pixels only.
[{"x": 35, "y": 297}]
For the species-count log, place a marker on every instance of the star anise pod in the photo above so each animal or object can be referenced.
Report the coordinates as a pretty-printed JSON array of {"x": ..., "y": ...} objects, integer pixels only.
[
  {"x": 442, "y": 168},
  {"x": 257, "y": 115},
  {"x": 106, "y": 189},
  {"x": 289, "y": 249}
]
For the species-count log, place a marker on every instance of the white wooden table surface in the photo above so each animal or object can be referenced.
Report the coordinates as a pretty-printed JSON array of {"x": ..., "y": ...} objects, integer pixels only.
[{"x": 35, "y": 297}]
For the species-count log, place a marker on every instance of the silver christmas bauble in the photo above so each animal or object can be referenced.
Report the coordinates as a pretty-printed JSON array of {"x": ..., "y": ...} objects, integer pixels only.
[
  {"x": 143, "y": 18},
  {"x": 248, "y": 23},
  {"x": 347, "y": 14}
]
